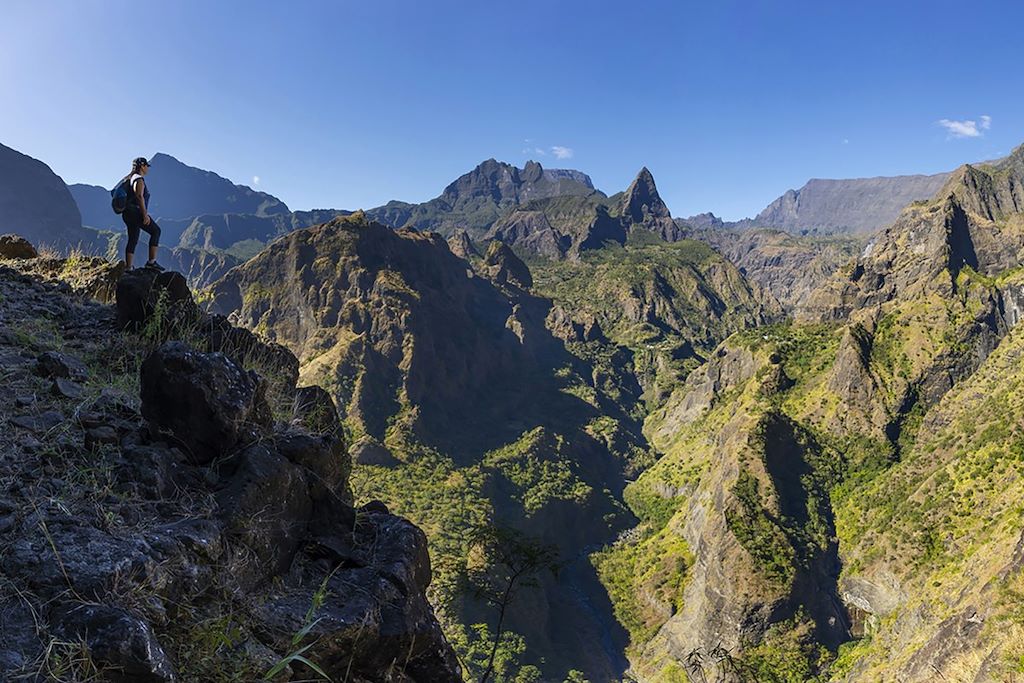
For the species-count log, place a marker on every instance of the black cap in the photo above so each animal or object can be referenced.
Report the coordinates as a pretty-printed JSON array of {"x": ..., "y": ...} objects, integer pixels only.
[{"x": 140, "y": 161}]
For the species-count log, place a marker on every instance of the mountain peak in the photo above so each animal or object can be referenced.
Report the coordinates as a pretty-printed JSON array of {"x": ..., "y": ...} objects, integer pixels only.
[
  {"x": 532, "y": 172},
  {"x": 1014, "y": 160},
  {"x": 989, "y": 191},
  {"x": 642, "y": 200},
  {"x": 183, "y": 191}
]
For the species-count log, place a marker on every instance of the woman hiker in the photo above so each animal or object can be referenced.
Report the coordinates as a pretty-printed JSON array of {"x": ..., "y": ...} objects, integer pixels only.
[{"x": 136, "y": 215}]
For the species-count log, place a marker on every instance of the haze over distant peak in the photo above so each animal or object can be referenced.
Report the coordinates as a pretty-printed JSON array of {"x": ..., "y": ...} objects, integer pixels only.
[{"x": 854, "y": 205}]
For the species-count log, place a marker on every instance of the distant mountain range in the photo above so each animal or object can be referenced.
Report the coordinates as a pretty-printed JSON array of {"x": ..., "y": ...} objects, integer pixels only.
[
  {"x": 211, "y": 224},
  {"x": 180, "y": 191},
  {"x": 857, "y": 205},
  {"x": 475, "y": 200}
]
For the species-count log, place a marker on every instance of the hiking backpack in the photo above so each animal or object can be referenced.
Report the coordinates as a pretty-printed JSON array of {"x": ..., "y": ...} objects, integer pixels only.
[{"x": 120, "y": 195}]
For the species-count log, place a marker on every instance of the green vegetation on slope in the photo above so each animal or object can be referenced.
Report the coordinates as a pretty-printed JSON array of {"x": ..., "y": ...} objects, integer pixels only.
[{"x": 668, "y": 303}]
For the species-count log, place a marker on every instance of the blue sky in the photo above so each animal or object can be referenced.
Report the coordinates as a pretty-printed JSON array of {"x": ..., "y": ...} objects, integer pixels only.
[{"x": 349, "y": 104}]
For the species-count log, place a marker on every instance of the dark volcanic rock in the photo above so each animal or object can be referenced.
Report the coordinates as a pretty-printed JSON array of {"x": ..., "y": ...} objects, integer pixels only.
[
  {"x": 124, "y": 573},
  {"x": 66, "y": 388},
  {"x": 61, "y": 366},
  {"x": 392, "y": 627},
  {"x": 16, "y": 247},
  {"x": 267, "y": 510},
  {"x": 315, "y": 410},
  {"x": 119, "y": 640},
  {"x": 210, "y": 404},
  {"x": 142, "y": 291}
]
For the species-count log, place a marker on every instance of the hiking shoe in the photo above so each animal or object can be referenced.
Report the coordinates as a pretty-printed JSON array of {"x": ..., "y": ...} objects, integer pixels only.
[{"x": 154, "y": 265}]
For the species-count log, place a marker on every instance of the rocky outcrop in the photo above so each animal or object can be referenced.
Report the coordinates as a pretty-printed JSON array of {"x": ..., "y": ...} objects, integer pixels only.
[
  {"x": 642, "y": 206},
  {"x": 462, "y": 246},
  {"x": 146, "y": 294},
  {"x": 91, "y": 276},
  {"x": 530, "y": 231},
  {"x": 503, "y": 267},
  {"x": 212, "y": 404},
  {"x": 36, "y": 204},
  {"x": 260, "y": 550},
  {"x": 16, "y": 247},
  {"x": 727, "y": 369}
]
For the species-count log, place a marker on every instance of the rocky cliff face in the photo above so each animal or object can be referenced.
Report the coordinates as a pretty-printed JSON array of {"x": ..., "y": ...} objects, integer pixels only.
[
  {"x": 170, "y": 514},
  {"x": 35, "y": 203},
  {"x": 474, "y": 201},
  {"x": 641, "y": 205},
  {"x": 437, "y": 339},
  {"x": 811, "y": 472},
  {"x": 972, "y": 226},
  {"x": 856, "y": 205},
  {"x": 443, "y": 371}
]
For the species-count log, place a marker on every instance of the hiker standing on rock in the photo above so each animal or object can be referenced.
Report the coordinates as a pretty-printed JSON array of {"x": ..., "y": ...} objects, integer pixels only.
[{"x": 136, "y": 215}]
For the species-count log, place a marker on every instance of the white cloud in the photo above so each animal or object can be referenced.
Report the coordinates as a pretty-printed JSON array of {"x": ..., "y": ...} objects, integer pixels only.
[
  {"x": 255, "y": 180},
  {"x": 846, "y": 141},
  {"x": 538, "y": 151},
  {"x": 562, "y": 152},
  {"x": 966, "y": 129}
]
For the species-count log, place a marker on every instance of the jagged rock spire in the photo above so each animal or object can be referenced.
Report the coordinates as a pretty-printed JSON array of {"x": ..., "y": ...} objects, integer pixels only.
[{"x": 642, "y": 201}]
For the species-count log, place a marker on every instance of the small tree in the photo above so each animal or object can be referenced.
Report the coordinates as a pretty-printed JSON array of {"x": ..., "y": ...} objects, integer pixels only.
[{"x": 504, "y": 561}]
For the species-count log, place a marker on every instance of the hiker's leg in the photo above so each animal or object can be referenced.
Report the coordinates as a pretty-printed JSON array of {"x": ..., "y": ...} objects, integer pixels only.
[
  {"x": 133, "y": 239},
  {"x": 154, "y": 238}
]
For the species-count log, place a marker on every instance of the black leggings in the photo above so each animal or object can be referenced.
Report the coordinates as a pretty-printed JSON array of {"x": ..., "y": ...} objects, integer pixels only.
[{"x": 132, "y": 218}]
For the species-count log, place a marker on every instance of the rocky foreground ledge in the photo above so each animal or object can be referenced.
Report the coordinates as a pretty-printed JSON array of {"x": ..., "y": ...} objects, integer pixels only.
[{"x": 172, "y": 508}]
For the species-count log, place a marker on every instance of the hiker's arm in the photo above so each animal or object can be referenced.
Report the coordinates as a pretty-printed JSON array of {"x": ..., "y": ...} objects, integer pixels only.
[{"x": 140, "y": 188}]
